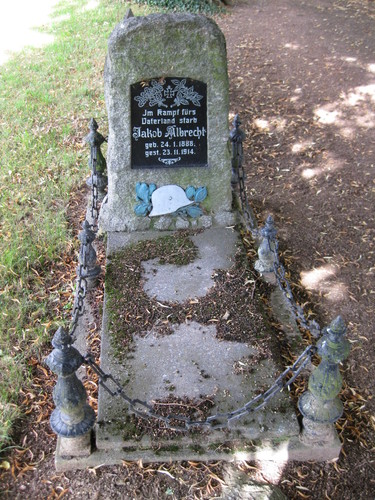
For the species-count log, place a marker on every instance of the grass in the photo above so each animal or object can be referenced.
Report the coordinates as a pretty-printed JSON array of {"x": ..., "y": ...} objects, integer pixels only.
[{"x": 47, "y": 97}]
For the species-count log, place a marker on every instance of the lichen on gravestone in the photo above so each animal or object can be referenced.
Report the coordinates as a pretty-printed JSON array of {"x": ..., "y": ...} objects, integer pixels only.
[{"x": 167, "y": 99}]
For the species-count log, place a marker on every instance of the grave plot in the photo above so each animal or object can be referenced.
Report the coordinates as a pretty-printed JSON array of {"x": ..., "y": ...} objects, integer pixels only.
[
  {"x": 187, "y": 339},
  {"x": 189, "y": 368}
]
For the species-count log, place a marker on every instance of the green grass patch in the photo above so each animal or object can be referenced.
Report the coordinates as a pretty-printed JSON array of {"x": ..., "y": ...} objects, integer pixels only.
[{"x": 47, "y": 97}]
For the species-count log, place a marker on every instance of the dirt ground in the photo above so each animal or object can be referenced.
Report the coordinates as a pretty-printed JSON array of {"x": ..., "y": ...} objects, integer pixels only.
[{"x": 302, "y": 77}]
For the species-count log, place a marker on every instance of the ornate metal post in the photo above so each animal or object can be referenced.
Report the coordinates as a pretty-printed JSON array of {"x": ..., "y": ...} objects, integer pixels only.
[
  {"x": 320, "y": 405},
  {"x": 266, "y": 250},
  {"x": 87, "y": 269},
  {"x": 97, "y": 162},
  {"x": 236, "y": 137},
  {"x": 73, "y": 417}
]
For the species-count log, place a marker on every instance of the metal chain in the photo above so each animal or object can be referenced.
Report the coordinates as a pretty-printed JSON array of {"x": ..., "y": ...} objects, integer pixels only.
[
  {"x": 79, "y": 300},
  {"x": 94, "y": 187},
  {"x": 81, "y": 281},
  {"x": 249, "y": 217},
  {"x": 280, "y": 272},
  {"x": 217, "y": 421},
  {"x": 297, "y": 311},
  {"x": 236, "y": 137},
  {"x": 251, "y": 225}
]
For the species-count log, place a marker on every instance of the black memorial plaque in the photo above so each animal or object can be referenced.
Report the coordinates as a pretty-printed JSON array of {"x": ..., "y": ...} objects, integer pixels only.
[{"x": 169, "y": 123}]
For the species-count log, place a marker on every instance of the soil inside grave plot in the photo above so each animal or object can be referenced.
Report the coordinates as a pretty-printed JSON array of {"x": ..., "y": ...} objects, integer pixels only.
[
  {"x": 214, "y": 347},
  {"x": 228, "y": 304}
]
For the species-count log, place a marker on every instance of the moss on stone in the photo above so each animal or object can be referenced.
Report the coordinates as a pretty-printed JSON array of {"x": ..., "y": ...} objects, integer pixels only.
[
  {"x": 123, "y": 282},
  {"x": 131, "y": 311},
  {"x": 172, "y": 448},
  {"x": 197, "y": 449},
  {"x": 126, "y": 427}
]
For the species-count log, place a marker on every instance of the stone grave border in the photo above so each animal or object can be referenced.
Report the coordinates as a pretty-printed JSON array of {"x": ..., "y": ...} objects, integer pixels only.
[{"x": 73, "y": 419}]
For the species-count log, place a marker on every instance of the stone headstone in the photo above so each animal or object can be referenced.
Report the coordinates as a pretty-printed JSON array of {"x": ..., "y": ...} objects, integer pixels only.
[{"x": 166, "y": 90}]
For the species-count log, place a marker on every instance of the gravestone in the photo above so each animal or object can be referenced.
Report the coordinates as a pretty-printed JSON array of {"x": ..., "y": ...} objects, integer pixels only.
[{"x": 166, "y": 90}]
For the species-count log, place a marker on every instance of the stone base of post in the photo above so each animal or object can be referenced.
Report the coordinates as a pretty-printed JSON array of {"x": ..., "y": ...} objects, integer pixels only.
[
  {"x": 318, "y": 419},
  {"x": 79, "y": 446},
  {"x": 317, "y": 434}
]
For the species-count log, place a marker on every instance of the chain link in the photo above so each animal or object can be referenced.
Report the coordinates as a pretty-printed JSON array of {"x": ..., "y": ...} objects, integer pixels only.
[
  {"x": 217, "y": 421},
  {"x": 79, "y": 301},
  {"x": 94, "y": 187},
  {"x": 236, "y": 137},
  {"x": 250, "y": 223},
  {"x": 297, "y": 311},
  {"x": 81, "y": 281}
]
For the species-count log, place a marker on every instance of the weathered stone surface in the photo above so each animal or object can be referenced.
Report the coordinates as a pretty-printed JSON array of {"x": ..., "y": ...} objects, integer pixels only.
[
  {"x": 163, "y": 223},
  {"x": 205, "y": 221},
  {"x": 74, "y": 447},
  {"x": 182, "y": 223},
  {"x": 216, "y": 249},
  {"x": 162, "y": 45},
  {"x": 185, "y": 363},
  {"x": 190, "y": 362},
  {"x": 291, "y": 449}
]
